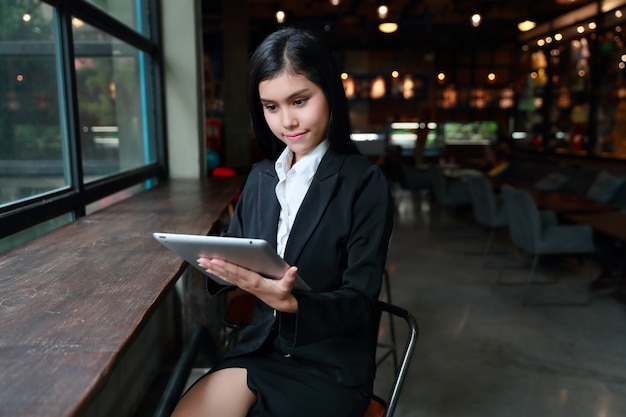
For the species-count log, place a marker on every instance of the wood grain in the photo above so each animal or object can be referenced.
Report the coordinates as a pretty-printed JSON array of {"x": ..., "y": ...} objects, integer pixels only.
[{"x": 71, "y": 300}]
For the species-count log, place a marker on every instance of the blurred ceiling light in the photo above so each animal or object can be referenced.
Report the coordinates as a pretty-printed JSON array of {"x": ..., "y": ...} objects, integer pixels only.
[
  {"x": 335, "y": 2},
  {"x": 26, "y": 17},
  {"x": 280, "y": 17},
  {"x": 383, "y": 11},
  {"x": 388, "y": 27},
  {"x": 558, "y": 37},
  {"x": 408, "y": 87},
  {"x": 476, "y": 18},
  {"x": 378, "y": 88},
  {"x": 526, "y": 25}
]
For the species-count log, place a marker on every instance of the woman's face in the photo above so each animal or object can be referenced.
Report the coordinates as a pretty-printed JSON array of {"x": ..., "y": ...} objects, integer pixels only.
[{"x": 296, "y": 111}]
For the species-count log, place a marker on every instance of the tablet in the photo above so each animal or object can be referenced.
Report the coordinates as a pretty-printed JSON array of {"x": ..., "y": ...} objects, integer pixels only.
[{"x": 254, "y": 254}]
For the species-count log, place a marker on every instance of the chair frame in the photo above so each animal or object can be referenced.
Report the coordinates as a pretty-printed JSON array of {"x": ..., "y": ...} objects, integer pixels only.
[{"x": 407, "y": 354}]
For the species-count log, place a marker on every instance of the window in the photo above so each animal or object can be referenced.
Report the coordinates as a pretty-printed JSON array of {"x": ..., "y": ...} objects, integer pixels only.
[
  {"x": 79, "y": 109},
  {"x": 33, "y": 152}
]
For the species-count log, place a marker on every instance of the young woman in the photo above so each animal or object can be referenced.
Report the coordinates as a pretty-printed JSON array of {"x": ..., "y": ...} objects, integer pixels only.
[{"x": 328, "y": 212}]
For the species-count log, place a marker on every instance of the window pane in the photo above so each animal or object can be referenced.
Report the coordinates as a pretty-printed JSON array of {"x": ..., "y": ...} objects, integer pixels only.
[
  {"x": 126, "y": 12},
  {"x": 33, "y": 149},
  {"x": 113, "y": 103},
  {"x": 32, "y": 232}
]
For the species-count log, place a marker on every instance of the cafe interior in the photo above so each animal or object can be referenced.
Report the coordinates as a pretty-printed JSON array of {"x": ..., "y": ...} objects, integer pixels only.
[{"x": 497, "y": 123}]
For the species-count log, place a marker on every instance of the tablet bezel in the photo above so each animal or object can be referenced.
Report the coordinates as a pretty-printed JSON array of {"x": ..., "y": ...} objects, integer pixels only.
[{"x": 254, "y": 254}]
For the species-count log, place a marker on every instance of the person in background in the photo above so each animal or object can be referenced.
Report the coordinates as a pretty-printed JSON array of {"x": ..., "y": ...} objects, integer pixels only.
[{"x": 329, "y": 213}]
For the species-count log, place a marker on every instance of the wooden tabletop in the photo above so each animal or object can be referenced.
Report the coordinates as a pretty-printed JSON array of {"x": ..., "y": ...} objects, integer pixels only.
[
  {"x": 559, "y": 202},
  {"x": 611, "y": 224},
  {"x": 71, "y": 300},
  {"x": 564, "y": 203}
]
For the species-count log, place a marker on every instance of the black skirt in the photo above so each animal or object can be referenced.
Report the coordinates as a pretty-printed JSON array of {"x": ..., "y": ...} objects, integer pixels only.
[{"x": 288, "y": 387}]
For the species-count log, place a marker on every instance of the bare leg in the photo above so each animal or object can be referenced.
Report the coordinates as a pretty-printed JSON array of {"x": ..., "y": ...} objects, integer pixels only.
[{"x": 224, "y": 393}]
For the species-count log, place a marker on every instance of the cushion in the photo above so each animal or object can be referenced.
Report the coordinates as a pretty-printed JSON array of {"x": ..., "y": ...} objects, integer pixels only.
[
  {"x": 551, "y": 182},
  {"x": 605, "y": 187}
]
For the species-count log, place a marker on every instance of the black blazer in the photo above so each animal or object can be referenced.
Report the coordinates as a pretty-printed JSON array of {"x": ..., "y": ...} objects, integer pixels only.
[{"x": 339, "y": 243}]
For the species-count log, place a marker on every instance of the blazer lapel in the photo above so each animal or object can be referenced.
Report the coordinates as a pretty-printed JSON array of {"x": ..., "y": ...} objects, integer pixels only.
[
  {"x": 268, "y": 207},
  {"x": 314, "y": 204}
]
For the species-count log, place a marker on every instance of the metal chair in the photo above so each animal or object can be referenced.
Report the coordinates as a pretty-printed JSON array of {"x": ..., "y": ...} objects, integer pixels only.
[
  {"x": 489, "y": 210},
  {"x": 380, "y": 407},
  {"x": 389, "y": 347},
  {"x": 538, "y": 238}
]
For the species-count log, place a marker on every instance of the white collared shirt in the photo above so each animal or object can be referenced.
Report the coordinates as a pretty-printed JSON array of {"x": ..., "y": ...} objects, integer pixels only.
[{"x": 293, "y": 184}]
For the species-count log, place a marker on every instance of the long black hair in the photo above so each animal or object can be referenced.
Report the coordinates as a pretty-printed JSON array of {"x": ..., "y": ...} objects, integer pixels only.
[{"x": 299, "y": 51}]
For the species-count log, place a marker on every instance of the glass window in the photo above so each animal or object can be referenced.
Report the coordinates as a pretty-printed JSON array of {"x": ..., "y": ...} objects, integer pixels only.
[
  {"x": 33, "y": 232},
  {"x": 112, "y": 103},
  {"x": 126, "y": 12},
  {"x": 60, "y": 133},
  {"x": 33, "y": 148}
]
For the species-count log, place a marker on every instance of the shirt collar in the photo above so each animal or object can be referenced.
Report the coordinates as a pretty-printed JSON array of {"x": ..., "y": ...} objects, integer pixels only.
[{"x": 307, "y": 165}]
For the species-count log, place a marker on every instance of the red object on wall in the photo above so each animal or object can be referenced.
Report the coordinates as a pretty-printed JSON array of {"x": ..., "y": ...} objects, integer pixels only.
[{"x": 213, "y": 129}]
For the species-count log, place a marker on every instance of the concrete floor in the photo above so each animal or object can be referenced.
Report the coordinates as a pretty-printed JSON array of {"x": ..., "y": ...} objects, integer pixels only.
[{"x": 481, "y": 352}]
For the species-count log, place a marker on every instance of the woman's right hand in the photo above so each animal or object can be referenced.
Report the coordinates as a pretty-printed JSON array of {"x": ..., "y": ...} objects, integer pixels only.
[{"x": 274, "y": 292}]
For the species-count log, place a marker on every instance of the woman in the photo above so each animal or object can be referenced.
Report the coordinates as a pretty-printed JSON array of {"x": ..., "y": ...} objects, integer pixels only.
[{"x": 328, "y": 212}]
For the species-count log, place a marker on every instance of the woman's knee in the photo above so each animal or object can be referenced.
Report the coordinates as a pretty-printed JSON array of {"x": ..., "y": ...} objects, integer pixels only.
[{"x": 224, "y": 393}]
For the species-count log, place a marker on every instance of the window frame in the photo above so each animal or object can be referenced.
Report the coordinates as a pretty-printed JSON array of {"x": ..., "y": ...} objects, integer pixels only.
[{"x": 21, "y": 215}]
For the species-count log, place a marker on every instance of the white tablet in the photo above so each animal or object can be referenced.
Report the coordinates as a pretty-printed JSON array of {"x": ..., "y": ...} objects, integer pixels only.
[{"x": 254, "y": 254}]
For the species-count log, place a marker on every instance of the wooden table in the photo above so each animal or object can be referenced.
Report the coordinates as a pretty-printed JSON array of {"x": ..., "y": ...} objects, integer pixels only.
[
  {"x": 72, "y": 300},
  {"x": 611, "y": 224},
  {"x": 564, "y": 203},
  {"x": 559, "y": 202}
]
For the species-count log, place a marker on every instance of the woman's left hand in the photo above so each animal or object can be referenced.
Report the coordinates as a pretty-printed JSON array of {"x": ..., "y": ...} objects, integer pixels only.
[{"x": 274, "y": 292}]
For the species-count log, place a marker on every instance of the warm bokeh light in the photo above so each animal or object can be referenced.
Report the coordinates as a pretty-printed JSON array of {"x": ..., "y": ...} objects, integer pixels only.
[
  {"x": 558, "y": 37},
  {"x": 526, "y": 25},
  {"x": 348, "y": 85},
  {"x": 395, "y": 74},
  {"x": 383, "y": 11},
  {"x": 388, "y": 27},
  {"x": 441, "y": 77},
  {"x": 378, "y": 89},
  {"x": 491, "y": 77},
  {"x": 476, "y": 19},
  {"x": 280, "y": 17},
  {"x": 335, "y": 2},
  {"x": 408, "y": 87}
]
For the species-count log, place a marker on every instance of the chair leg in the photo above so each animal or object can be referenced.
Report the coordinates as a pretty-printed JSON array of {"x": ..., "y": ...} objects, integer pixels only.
[
  {"x": 530, "y": 301},
  {"x": 529, "y": 278}
]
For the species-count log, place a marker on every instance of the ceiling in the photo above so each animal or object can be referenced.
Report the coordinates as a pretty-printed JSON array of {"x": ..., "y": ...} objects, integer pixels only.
[{"x": 440, "y": 23}]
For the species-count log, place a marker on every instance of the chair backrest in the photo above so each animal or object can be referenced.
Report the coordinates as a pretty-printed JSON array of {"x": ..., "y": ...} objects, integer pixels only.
[
  {"x": 524, "y": 218},
  {"x": 483, "y": 200},
  {"x": 386, "y": 408}
]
